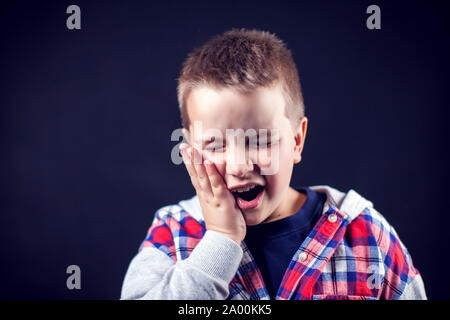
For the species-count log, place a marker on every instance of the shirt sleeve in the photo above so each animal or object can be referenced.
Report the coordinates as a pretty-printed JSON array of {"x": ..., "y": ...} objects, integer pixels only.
[
  {"x": 155, "y": 273},
  {"x": 415, "y": 290},
  {"x": 401, "y": 279}
]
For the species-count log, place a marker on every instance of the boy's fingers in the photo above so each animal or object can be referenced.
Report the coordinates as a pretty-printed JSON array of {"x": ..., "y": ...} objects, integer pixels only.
[
  {"x": 217, "y": 183},
  {"x": 189, "y": 167},
  {"x": 203, "y": 179}
]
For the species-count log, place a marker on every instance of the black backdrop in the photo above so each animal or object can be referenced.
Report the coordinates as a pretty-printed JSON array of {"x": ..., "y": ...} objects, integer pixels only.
[{"x": 86, "y": 119}]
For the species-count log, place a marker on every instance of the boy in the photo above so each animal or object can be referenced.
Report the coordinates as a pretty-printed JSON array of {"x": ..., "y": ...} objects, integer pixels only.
[{"x": 247, "y": 234}]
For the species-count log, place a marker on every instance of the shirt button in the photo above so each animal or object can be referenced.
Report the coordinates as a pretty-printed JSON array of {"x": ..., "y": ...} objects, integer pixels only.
[
  {"x": 302, "y": 256},
  {"x": 332, "y": 218}
]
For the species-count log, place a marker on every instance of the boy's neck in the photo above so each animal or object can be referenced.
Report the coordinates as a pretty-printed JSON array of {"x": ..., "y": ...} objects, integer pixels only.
[{"x": 291, "y": 204}]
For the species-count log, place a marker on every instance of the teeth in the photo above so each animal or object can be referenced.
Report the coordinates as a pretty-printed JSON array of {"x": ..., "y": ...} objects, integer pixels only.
[{"x": 245, "y": 189}]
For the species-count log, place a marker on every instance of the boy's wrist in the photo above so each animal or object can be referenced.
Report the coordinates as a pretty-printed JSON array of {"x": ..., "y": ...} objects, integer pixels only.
[{"x": 233, "y": 237}]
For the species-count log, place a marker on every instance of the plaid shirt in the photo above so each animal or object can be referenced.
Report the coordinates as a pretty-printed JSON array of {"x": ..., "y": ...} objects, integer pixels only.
[{"x": 351, "y": 253}]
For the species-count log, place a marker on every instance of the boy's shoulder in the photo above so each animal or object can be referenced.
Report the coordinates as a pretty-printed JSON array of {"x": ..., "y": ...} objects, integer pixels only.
[
  {"x": 174, "y": 227},
  {"x": 366, "y": 225},
  {"x": 357, "y": 210},
  {"x": 188, "y": 207},
  {"x": 372, "y": 247}
]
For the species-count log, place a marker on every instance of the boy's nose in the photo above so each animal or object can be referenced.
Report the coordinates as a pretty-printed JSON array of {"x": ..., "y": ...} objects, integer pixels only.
[
  {"x": 239, "y": 170},
  {"x": 238, "y": 164}
]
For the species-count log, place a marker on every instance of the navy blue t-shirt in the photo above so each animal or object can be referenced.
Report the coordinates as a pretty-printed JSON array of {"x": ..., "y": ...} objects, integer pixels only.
[{"x": 273, "y": 244}]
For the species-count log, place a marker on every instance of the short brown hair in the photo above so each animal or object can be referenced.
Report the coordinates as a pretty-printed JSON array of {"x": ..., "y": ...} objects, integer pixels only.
[{"x": 244, "y": 60}]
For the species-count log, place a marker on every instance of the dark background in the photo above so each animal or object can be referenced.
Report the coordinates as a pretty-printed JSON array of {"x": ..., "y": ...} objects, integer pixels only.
[{"x": 86, "y": 119}]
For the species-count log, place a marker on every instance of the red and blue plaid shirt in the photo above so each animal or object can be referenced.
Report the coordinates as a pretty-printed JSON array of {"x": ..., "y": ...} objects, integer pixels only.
[{"x": 351, "y": 253}]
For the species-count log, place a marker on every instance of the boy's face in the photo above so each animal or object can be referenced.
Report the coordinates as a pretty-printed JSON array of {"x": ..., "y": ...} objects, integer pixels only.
[{"x": 218, "y": 111}]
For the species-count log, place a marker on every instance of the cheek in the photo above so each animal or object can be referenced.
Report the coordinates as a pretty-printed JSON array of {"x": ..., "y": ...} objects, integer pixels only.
[
  {"x": 216, "y": 157},
  {"x": 222, "y": 169},
  {"x": 272, "y": 160},
  {"x": 279, "y": 165},
  {"x": 276, "y": 186},
  {"x": 264, "y": 157}
]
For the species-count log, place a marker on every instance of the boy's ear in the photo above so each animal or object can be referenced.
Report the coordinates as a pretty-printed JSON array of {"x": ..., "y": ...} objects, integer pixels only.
[{"x": 300, "y": 136}]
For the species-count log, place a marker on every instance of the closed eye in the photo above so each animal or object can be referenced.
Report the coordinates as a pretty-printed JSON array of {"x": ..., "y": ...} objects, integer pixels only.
[
  {"x": 215, "y": 148},
  {"x": 260, "y": 144}
]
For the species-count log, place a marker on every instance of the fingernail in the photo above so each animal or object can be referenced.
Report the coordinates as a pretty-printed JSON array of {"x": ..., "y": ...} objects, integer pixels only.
[{"x": 208, "y": 162}]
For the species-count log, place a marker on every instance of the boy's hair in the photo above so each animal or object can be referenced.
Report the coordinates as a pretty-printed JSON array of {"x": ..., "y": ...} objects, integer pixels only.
[{"x": 243, "y": 60}]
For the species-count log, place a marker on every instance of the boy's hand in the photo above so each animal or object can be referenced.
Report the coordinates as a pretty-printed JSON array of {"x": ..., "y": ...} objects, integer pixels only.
[{"x": 218, "y": 204}]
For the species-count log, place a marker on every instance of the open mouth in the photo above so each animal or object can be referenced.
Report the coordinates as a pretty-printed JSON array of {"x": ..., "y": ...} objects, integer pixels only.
[{"x": 248, "y": 199}]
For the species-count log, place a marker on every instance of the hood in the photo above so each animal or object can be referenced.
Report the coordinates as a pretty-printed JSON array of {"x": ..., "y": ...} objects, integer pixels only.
[{"x": 350, "y": 203}]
